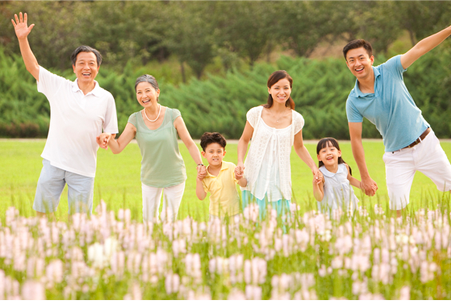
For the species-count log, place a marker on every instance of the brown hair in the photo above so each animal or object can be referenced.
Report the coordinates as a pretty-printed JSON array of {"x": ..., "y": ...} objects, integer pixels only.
[
  {"x": 272, "y": 80},
  {"x": 357, "y": 44}
]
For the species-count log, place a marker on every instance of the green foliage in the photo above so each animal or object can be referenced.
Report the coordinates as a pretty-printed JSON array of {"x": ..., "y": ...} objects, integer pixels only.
[{"x": 320, "y": 90}]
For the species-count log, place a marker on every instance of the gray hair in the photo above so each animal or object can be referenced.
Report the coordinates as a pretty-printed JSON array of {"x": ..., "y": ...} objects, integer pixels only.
[{"x": 146, "y": 78}]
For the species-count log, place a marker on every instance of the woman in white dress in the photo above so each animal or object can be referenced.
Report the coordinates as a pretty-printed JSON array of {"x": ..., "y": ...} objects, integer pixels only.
[{"x": 273, "y": 129}]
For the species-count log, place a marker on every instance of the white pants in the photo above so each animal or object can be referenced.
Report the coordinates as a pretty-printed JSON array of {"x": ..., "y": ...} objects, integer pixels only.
[
  {"x": 427, "y": 157},
  {"x": 172, "y": 198}
]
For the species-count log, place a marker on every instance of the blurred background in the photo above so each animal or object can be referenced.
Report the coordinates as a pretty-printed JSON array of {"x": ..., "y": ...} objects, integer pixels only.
[{"x": 212, "y": 59}]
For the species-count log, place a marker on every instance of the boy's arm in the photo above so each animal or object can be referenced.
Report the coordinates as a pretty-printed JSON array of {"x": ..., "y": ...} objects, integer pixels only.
[
  {"x": 318, "y": 187},
  {"x": 355, "y": 132},
  {"x": 22, "y": 31},
  {"x": 200, "y": 192},
  {"x": 424, "y": 46}
]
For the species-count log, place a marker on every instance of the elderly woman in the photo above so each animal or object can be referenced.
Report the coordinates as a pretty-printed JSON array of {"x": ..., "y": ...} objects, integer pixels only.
[{"x": 155, "y": 128}]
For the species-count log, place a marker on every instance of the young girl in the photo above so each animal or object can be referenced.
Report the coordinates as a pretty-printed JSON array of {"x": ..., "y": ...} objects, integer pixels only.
[{"x": 334, "y": 190}]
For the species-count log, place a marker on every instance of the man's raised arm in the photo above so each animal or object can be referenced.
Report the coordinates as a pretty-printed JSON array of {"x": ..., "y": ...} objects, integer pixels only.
[
  {"x": 22, "y": 31},
  {"x": 424, "y": 46}
]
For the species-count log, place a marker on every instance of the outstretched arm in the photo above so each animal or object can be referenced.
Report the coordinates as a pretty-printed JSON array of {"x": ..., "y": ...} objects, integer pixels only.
[
  {"x": 353, "y": 181},
  {"x": 118, "y": 145},
  {"x": 22, "y": 31},
  {"x": 303, "y": 153},
  {"x": 180, "y": 126},
  {"x": 242, "y": 148},
  {"x": 424, "y": 46},
  {"x": 318, "y": 187},
  {"x": 367, "y": 184}
]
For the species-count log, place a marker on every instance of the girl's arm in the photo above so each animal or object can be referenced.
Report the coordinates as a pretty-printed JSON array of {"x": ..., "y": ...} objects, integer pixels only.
[
  {"x": 304, "y": 155},
  {"x": 242, "y": 148},
  {"x": 353, "y": 181},
  {"x": 118, "y": 145},
  {"x": 180, "y": 126},
  {"x": 318, "y": 187}
]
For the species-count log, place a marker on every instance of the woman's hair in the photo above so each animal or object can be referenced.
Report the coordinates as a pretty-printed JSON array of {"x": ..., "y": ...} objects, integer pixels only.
[
  {"x": 272, "y": 80},
  {"x": 324, "y": 143},
  {"x": 209, "y": 138}
]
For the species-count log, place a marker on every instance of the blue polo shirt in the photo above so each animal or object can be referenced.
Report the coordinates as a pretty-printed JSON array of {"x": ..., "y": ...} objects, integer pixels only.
[{"x": 390, "y": 108}]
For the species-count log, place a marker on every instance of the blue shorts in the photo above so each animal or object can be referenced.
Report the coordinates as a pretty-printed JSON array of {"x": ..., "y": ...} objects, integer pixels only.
[
  {"x": 282, "y": 207},
  {"x": 51, "y": 184}
]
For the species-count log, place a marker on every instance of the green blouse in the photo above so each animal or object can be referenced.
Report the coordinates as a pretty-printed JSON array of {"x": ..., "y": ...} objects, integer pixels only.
[{"x": 161, "y": 165}]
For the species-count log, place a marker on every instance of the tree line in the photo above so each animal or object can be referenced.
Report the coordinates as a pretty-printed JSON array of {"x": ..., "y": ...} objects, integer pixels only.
[
  {"x": 220, "y": 103},
  {"x": 198, "y": 33}
]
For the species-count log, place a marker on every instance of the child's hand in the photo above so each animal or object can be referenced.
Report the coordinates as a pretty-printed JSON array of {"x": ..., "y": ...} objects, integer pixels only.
[
  {"x": 201, "y": 172},
  {"x": 238, "y": 175},
  {"x": 318, "y": 178},
  {"x": 239, "y": 171},
  {"x": 103, "y": 139}
]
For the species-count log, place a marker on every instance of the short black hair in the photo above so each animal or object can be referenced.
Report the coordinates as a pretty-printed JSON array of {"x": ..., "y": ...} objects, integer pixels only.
[
  {"x": 84, "y": 48},
  {"x": 212, "y": 137},
  {"x": 357, "y": 44}
]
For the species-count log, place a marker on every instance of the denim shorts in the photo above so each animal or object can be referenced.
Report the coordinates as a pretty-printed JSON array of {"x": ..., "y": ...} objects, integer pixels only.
[{"x": 51, "y": 184}]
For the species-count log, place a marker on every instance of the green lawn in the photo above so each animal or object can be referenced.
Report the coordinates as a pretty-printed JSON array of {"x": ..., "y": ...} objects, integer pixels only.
[{"x": 118, "y": 178}]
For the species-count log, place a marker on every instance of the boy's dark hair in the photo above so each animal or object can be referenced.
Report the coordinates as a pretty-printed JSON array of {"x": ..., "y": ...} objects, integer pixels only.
[
  {"x": 357, "y": 44},
  {"x": 212, "y": 137},
  {"x": 324, "y": 143},
  {"x": 84, "y": 48}
]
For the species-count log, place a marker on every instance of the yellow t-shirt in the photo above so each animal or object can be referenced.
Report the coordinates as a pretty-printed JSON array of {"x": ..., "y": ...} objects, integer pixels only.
[{"x": 224, "y": 198}]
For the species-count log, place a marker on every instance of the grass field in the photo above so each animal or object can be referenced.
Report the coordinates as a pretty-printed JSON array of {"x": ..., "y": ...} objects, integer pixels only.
[{"x": 118, "y": 178}]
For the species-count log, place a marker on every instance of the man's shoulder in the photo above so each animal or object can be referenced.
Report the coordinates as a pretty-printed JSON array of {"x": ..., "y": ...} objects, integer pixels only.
[{"x": 103, "y": 92}]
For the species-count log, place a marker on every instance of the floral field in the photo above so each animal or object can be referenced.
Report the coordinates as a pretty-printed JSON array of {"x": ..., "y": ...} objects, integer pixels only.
[{"x": 306, "y": 255}]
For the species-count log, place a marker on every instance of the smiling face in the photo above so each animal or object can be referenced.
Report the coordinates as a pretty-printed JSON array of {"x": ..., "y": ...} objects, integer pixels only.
[
  {"x": 280, "y": 91},
  {"x": 329, "y": 155},
  {"x": 86, "y": 67},
  {"x": 214, "y": 153},
  {"x": 146, "y": 94},
  {"x": 359, "y": 62}
]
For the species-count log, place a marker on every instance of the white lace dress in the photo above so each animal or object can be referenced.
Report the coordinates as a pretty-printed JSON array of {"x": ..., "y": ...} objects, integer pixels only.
[
  {"x": 338, "y": 192},
  {"x": 267, "y": 165}
]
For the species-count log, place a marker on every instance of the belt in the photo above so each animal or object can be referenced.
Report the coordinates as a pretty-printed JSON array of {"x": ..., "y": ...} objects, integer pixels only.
[{"x": 421, "y": 138}]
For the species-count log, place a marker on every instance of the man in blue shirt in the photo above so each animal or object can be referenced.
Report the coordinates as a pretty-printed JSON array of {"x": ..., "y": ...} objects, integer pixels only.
[{"x": 381, "y": 96}]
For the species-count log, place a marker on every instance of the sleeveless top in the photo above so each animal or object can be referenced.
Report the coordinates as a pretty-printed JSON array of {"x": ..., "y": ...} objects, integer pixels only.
[
  {"x": 267, "y": 165},
  {"x": 338, "y": 192},
  {"x": 161, "y": 165}
]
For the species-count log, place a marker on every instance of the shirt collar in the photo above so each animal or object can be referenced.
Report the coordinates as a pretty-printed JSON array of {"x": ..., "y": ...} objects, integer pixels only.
[
  {"x": 95, "y": 91},
  {"x": 357, "y": 89},
  {"x": 223, "y": 167}
]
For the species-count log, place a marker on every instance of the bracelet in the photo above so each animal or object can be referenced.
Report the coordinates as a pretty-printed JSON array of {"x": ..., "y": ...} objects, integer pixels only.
[{"x": 200, "y": 164}]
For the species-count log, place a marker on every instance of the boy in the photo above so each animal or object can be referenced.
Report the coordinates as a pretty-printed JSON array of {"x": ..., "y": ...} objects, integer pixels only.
[{"x": 220, "y": 179}]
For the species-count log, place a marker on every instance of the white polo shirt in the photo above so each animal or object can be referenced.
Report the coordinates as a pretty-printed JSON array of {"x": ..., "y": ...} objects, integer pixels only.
[{"x": 75, "y": 122}]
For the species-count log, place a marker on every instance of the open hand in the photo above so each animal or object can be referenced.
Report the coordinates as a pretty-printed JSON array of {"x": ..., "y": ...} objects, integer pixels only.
[{"x": 20, "y": 26}]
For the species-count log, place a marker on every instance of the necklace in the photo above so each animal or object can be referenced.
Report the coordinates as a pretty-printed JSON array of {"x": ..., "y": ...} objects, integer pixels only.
[{"x": 155, "y": 118}]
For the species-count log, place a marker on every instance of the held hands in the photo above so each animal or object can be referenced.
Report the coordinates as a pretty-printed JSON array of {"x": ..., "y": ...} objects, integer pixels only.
[
  {"x": 20, "y": 26},
  {"x": 368, "y": 186},
  {"x": 103, "y": 140},
  {"x": 318, "y": 179},
  {"x": 239, "y": 171},
  {"x": 201, "y": 172}
]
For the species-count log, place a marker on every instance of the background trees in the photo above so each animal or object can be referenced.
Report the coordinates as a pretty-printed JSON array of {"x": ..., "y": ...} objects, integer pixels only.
[{"x": 216, "y": 56}]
